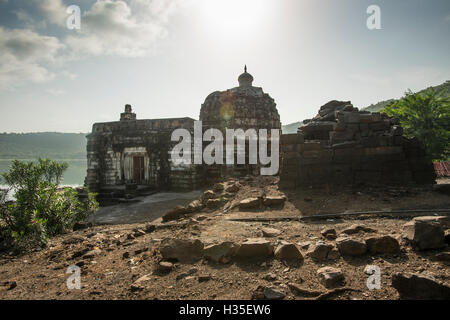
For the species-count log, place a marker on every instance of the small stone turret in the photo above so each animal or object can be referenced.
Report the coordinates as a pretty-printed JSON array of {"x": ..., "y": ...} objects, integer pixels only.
[{"x": 128, "y": 114}]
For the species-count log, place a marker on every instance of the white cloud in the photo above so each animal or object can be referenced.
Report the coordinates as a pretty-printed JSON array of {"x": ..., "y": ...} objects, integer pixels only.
[
  {"x": 56, "y": 92},
  {"x": 53, "y": 10},
  {"x": 22, "y": 55},
  {"x": 109, "y": 27},
  {"x": 112, "y": 27}
]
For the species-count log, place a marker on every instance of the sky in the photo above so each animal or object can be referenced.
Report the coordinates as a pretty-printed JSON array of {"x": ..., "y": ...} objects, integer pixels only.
[{"x": 164, "y": 57}]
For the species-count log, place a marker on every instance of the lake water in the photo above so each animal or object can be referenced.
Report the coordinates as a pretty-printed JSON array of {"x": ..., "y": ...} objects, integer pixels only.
[{"x": 74, "y": 175}]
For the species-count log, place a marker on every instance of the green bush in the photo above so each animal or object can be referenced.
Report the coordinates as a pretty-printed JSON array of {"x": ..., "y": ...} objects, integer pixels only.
[
  {"x": 41, "y": 210},
  {"x": 426, "y": 116}
]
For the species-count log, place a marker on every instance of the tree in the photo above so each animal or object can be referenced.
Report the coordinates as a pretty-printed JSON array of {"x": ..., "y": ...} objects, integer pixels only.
[
  {"x": 426, "y": 116},
  {"x": 41, "y": 209}
]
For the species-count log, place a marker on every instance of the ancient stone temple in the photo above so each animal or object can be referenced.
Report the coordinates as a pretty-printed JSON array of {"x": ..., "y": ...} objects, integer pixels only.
[
  {"x": 243, "y": 107},
  {"x": 340, "y": 146},
  {"x": 133, "y": 152}
]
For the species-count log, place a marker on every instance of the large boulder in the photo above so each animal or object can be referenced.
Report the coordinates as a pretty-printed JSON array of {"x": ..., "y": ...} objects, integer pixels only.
[
  {"x": 425, "y": 234},
  {"x": 419, "y": 287},
  {"x": 288, "y": 251},
  {"x": 255, "y": 248},
  {"x": 220, "y": 252},
  {"x": 330, "y": 277},
  {"x": 319, "y": 251},
  {"x": 443, "y": 221},
  {"x": 382, "y": 244},
  {"x": 184, "y": 251},
  {"x": 350, "y": 247}
]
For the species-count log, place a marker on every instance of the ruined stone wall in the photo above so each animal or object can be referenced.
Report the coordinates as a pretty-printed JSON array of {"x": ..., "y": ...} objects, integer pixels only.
[
  {"x": 344, "y": 146},
  {"x": 111, "y": 147}
]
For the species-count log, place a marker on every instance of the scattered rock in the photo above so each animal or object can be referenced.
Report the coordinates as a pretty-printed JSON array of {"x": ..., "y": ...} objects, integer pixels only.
[
  {"x": 220, "y": 252},
  {"x": 186, "y": 274},
  {"x": 447, "y": 236},
  {"x": 91, "y": 254},
  {"x": 164, "y": 267},
  {"x": 249, "y": 203},
  {"x": 213, "y": 203},
  {"x": 330, "y": 277},
  {"x": 258, "y": 293},
  {"x": 82, "y": 225},
  {"x": 270, "y": 277},
  {"x": 270, "y": 232},
  {"x": 139, "y": 233},
  {"x": 175, "y": 214},
  {"x": 149, "y": 228},
  {"x": 272, "y": 201},
  {"x": 80, "y": 253},
  {"x": 10, "y": 285},
  {"x": 329, "y": 233},
  {"x": 350, "y": 247},
  {"x": 235, "y": 187},
  {"x": 288, "y": 251},
  {"x": 304, "y": 245},
  {"x": 218, "y": 187},
  {"x": 255, "y": 248},
  {"x": 271, "y": 293},
  {"x": 208, "y": 194},
  {"x": 73, "y": 240},
  {"x": 333, "y": 254},
  {"x": 425, "y": 234},
  {"x": 356, "y": 228},
  {"x": 419, "y": 287},
  {"x": 319, "y": 251},
  {"x": 442, "y": 256},
  {"x": 382, "y": 244},
  {"x": 195, "y": 206},
  {"x": 204, "y": 278},
  {"x": 184, "y": 251}
]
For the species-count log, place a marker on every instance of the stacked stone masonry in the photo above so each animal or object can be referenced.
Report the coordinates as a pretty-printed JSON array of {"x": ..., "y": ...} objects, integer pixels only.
[{"x": 345, "y": 146}]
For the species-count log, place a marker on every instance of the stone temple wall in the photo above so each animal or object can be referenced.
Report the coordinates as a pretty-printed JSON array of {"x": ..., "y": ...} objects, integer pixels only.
[
  {"x": 344, "y": 146},
  {"x": 112, "y": 146}
]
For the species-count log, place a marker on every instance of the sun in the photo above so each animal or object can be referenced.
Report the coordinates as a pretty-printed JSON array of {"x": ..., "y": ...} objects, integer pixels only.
[{"x": 234, "y": 15}]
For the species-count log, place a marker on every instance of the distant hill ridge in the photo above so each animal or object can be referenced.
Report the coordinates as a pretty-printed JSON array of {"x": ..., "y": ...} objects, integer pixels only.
[
  {"x": 442, "y": 89},
  {"x": 52, "y": 145}
]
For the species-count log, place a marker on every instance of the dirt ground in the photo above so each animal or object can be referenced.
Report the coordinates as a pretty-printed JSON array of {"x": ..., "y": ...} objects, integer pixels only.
[{"x": 121, "y": 257}]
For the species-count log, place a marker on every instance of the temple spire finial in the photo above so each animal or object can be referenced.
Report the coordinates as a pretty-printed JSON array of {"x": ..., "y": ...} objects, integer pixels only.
[{"x": 245, "y": 69}]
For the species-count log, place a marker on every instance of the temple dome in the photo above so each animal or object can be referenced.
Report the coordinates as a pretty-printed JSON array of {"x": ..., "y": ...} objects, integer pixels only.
[
  {"x": 245, "y": 79},
  {"x": 242, "y": 107}
]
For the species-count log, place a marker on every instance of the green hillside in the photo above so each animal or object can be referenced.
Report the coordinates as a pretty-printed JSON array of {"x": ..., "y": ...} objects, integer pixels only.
[
  {"x": 44, "y": 144},
  {"x": 442, "y": 89},
  {"x": 291, "y": 128}
]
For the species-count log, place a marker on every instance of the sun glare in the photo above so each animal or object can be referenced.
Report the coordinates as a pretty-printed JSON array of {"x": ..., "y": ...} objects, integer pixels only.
[{"x": 232, "y": 16}]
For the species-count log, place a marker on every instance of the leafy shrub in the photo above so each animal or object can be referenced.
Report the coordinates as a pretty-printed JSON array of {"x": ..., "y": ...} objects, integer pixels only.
[
  {"x": 41, "y": 209},
  {"x": 425, "y": 116}
]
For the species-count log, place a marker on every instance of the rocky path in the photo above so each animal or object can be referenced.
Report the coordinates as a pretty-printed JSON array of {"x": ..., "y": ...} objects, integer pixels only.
[{"x": 202, "y": 254}]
